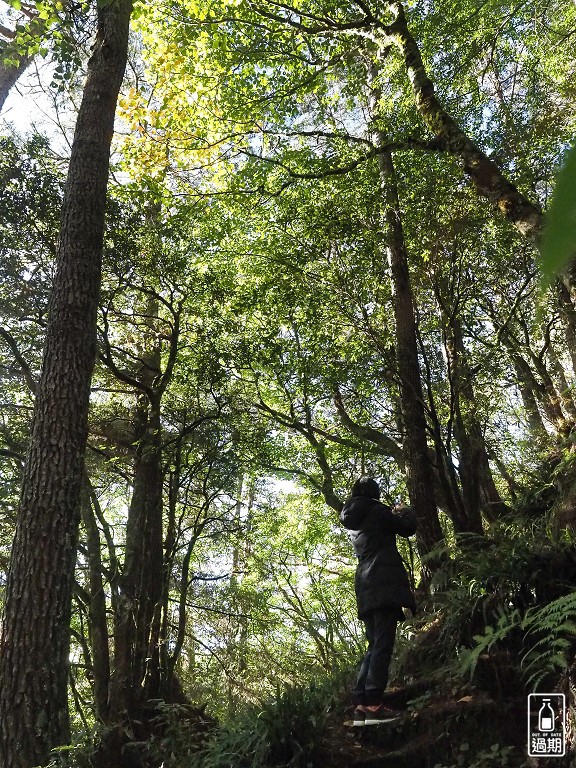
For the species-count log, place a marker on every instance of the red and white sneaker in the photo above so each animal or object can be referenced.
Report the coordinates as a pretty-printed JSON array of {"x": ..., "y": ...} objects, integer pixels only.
[{"x": 379, "y": 714}]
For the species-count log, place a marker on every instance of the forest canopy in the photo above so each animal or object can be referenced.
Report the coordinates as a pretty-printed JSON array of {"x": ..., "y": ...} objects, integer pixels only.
[{"x": 252, "y": 251}]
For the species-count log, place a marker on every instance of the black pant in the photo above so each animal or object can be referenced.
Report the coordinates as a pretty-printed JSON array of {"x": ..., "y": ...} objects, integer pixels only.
[{"x": 381, "y": 633}]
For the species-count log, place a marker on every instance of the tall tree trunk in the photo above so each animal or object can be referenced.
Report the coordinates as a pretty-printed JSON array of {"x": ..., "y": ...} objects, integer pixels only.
[
  {"x": 34, "y": 653},
  {"x": 478, "y": 486},
  {"x": 552, "y": 400},
  {"x": 447, "y": 488},
  {"x": 143, "y": 565},
  {"x": 170, "y": 553},
  {"x": 468, "y": 467},
  {"x": 136, "y": 674},
  {"x": 97, "y": 618},
  {"x": 529, "y": 399},
  {"x": 419, "y": 474}
]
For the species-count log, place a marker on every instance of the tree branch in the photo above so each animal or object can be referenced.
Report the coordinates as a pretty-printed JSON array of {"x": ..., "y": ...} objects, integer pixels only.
[
  {"x": 434, "y": 145},
  {"x": 389, "y": 446},
  {"x": 488, "y": 178},
  {"x": 25, "y": 368}
]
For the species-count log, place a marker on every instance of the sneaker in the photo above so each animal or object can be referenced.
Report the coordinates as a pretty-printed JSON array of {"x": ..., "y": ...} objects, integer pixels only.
[
  {"x": 382, "y": 714},
  {"x": 359, "y": 716}
]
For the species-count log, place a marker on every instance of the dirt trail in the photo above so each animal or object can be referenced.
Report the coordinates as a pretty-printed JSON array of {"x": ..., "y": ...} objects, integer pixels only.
[{"x": 464, "y": 728}]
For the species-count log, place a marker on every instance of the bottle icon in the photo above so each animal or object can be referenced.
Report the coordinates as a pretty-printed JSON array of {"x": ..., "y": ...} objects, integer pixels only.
[{"x": 546, "y": 717}]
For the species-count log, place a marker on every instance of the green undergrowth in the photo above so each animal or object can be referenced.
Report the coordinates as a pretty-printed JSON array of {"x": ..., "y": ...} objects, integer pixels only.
[
  {"x": 501, "y": 611},
  {"x": 546, "y": 645},
  {"x": 282, "y": 732}
]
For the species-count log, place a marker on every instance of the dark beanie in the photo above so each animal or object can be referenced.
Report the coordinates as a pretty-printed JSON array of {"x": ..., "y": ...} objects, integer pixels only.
[{"x": 366, "y": 486}]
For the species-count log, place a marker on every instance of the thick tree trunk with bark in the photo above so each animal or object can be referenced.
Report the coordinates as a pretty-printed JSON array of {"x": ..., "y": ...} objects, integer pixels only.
[
  {"x": 35, "y": 632},
  {"x": 419, "y": 475},
  {"x": 552, "y": 399},
  {"x": 529, "y": 401},
  {"x": 531, "y": 387},
  {"x": 136, "y": 668},
  {"x": 478, "y": 487},
  {"x": 419, "y": 472},
  {"x": 563, "y": 388},
  {"x": 136, "y": 675}
]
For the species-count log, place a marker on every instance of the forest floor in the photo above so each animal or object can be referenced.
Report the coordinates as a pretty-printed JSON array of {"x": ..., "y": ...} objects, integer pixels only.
[{"x": 437, "y": 728}]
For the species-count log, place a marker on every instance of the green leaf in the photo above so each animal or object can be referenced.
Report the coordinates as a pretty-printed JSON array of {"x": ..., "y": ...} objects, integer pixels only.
[{"x": 559, "y": 238}]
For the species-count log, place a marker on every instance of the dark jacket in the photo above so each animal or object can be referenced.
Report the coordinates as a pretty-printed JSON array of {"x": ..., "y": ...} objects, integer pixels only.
[{"x": 381, "y": 580}]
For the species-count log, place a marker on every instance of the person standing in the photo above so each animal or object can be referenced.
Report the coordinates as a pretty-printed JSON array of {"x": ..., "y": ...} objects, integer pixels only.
[{"x": 382, "y": 590}]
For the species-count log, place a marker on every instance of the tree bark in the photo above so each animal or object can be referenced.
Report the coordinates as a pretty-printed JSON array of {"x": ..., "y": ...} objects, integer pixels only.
[
  {"x": 538, "y": 391},
  {"x": 9, "y": 76},
  {"x": 529, "y": 400},
  {"x": 447, "y": 488},
  {"x": 36, "y": 633},
  {"x": 136, "y": 668},
  {"x": 419, "y": 474},
  {"x": 97, "y": 618},
  {"x": 563, "y": 389},
  {"x": 136, "y": 675},
  {"x": 552, "y": 400},
  {"x": 478, "y": 487}
]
